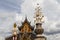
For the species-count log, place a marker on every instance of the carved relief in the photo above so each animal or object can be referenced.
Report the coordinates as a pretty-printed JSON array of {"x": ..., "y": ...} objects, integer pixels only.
[{"x": 26, "y": 28}]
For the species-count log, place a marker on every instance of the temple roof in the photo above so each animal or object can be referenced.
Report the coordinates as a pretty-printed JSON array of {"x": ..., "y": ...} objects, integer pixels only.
[{"x": 26, "y": 21}]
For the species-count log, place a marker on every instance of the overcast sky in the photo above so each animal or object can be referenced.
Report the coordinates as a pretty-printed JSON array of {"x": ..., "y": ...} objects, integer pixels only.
[{"x": 15, "y": 11}]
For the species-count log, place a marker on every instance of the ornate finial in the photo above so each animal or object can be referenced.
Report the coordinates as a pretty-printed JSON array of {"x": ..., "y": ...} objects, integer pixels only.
[
  {"x": 15, "y": 25},
  {"x": 14, "y": 29},
  {"x": 38, "y": 15}
]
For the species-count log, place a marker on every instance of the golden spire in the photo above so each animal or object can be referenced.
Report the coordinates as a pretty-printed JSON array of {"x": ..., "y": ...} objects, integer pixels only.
[
  {"x": 14, "y": 25},
  {"x": 15, "y": 32},
  {"x": 38, "y": 21},
  {"x": 38, "y": 15},
  {"x": 15, "y": 29}
]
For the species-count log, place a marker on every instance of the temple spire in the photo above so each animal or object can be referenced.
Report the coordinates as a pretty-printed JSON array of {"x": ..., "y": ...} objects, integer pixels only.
[
  {"x": 38, "y": 21},
  {"x": 15, "y": 32},
  {"x": 38, "y": 15},
  {"x": 38, "y": 24}
]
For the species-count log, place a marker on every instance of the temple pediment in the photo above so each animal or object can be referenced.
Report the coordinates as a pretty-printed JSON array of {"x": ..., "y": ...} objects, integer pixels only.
[{"x": 26, "y": 27}]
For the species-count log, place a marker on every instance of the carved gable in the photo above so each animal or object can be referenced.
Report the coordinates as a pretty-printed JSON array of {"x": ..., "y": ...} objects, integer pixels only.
[{"x": 26, "y": 27}]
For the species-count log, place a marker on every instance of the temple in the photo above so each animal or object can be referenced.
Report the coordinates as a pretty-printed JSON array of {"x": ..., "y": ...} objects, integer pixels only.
[{"x": 27, "y": 31}]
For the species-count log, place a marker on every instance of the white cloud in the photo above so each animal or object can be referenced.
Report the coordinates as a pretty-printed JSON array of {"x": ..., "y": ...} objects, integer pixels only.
[
  {"x": 7, "y": 20},
  {"x": 52, "y": 12},
  {"x": 18, "y": 17},
  {"x": 53, "y": 37}
]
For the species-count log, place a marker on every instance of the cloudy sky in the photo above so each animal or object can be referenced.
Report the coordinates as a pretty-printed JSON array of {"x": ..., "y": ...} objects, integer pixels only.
[{"x": 15, "y": 11}]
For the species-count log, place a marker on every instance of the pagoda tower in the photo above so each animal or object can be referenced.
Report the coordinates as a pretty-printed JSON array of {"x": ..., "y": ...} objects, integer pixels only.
[{"x": 38, "y": 24}]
